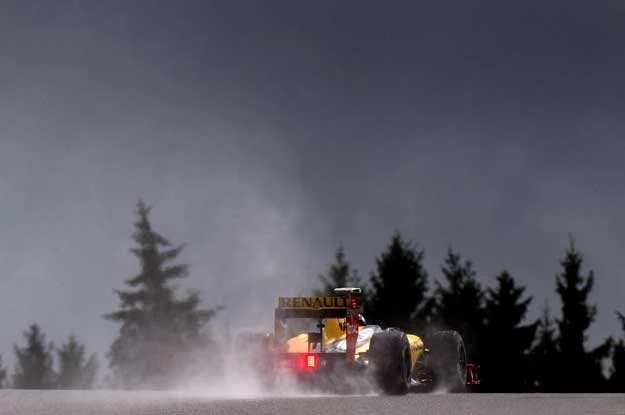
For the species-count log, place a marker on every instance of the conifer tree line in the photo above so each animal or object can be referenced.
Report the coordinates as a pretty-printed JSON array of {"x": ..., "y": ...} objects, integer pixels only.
[
  {"x": 164, "y": 336},
  {"x": 550, "y": 354},
  {"x": 42, "y": 365}
]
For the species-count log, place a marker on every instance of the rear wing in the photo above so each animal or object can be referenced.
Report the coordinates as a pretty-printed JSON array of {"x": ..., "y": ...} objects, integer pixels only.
[
  {"x": 311, "y": 307},
  {"x": 344, "y": 304},
  {"x": 335, "y": 306}
]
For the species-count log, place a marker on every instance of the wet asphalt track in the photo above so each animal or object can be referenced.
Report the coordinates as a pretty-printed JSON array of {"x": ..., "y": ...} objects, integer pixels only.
[{"x": 144, "y": 403}]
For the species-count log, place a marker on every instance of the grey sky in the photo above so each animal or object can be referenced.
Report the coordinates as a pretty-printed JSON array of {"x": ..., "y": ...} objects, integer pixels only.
[{"x": 265, "y": 133}]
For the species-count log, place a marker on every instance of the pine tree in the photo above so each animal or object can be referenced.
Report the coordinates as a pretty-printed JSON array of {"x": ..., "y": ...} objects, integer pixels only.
[
  {"x": 577, "y": 316},
  {"x": 35, "y": 362},
  {"x": 545, "y": 355},
  {"x": 617, "y": 371},
  {"x": 398, "y": 287},
  {"x": 339, "y": 274},
  {"x": 157, "y": 329},
  {"x": 75, "y": 371},
  {"x": 505, "y": 361},
  {"x": 459, "y": 305},
  {"x": 3, "y": 374}
]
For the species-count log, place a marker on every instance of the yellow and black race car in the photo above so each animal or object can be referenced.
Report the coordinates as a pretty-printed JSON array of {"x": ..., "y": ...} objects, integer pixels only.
[{"x": 326, "y": 342}]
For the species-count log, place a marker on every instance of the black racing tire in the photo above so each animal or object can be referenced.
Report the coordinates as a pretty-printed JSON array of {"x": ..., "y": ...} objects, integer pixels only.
[
  {"x": 389, "y": 356},
  {"x": 446, "y": 360}
]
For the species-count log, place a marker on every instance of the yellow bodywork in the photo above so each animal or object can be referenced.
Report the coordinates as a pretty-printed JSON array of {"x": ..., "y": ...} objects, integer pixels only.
[
  {"x": 334, "y": 331},
  {"x": 416, "y": 348}
]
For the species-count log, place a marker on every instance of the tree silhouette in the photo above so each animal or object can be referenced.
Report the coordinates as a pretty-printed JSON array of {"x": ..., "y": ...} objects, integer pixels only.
[
  {"x": 35, "y": 364},
  {"x": 398, "y": 287},
  {"x": 507, "y": 344},
  {"x": 157, "y": 329},
  {"x": 3, "y": 374},
  {"x": 617, "y": 371},
  {"x": 577, "y": 316},
  {"x": 544, "y": 355},
  {"x": 75, "y": 370},
  {"x": 458, "y": 305},
  {"x": 339, "y": 274}
]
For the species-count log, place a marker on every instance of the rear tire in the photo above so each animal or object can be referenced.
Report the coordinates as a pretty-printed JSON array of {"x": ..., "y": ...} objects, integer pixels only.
[
  {"x": 389, "y": 355},
  {"x": 446, "y": 361}
]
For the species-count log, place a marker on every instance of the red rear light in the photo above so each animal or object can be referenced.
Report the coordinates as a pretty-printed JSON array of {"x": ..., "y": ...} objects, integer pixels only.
[
  {"x": 311, "y": 361},
  {"x": 301, "y": 362},
  {"x": 306, "y": 361}
]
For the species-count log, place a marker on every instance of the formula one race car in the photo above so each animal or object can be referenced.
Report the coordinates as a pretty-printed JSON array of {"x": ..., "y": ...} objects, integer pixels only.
[{"x": 326, "y": 343}]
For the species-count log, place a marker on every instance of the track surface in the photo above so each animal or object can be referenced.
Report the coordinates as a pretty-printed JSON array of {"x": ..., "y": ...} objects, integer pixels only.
[{"x": 144, "y": 403}]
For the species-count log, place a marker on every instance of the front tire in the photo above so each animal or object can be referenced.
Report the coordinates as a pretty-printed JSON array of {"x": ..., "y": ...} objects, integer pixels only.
[{"x": 389, "y": 354}]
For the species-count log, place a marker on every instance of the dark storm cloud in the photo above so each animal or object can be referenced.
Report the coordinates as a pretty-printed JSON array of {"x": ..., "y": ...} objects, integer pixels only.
[{"x": 267, "y": 132}]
